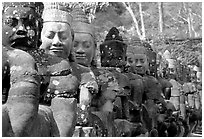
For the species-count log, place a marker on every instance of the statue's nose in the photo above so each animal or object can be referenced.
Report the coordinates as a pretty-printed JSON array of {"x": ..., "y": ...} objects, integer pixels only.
[
  {"x": 21, "y": 29},
  {"x": 56, "y": 40},
  {"x": 80, "y": 49}
]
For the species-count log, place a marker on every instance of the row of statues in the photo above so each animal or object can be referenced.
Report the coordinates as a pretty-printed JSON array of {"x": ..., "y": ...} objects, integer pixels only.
[{"x": 52, "y": 86}]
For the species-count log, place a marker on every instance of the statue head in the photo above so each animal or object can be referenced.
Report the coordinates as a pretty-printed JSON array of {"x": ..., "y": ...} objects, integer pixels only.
[
  {"x": 141, "y": 59},
  {"x": 113, "y": 50},
  {"x": 20, "y": 27},
  {"x": 84, "y": 39},
  {"x": 137, "y": 60},
  {"x": 57, "y": 35}
]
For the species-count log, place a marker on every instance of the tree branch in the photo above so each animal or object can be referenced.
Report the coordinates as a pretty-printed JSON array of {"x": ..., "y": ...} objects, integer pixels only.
[
  {"x": 127, "y": 6},
  {"x": 142, "y": 21},
  {"x": 175, "y": 19}
]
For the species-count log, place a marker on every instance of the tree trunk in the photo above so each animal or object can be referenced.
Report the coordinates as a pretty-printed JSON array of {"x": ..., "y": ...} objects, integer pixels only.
[
  {"x": 161, "y": 23},
  {"x": 185, "y": 5},
  {"x": 142, "y": 21},
  {"x": 127, "y": 6},
  {"x": 194, "y": 34},
  {"x": 189, "y": 26}
]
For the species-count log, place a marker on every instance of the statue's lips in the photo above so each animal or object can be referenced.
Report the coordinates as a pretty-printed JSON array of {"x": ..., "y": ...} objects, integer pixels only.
[
  {"x": 139, "y": 69},
  {"x": 56, "y": 49},
  {"x": 19, "y": 41},
  {"x": 80, "y": 56},
  {"x": 64, "y": 95},
  {"x": 19, "y": 38}
]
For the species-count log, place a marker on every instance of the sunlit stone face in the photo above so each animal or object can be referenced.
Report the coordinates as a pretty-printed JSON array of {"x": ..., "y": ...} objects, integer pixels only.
[
  {"x": 56, "y": 39},
  {"x": 19, "y": 27},
  {"x": 138, "y": 63},
  {"x": 84, "y": 48}
]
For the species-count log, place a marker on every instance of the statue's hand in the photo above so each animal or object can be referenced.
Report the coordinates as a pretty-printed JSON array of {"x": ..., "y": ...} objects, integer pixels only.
[{"x": 85, "y": 96}]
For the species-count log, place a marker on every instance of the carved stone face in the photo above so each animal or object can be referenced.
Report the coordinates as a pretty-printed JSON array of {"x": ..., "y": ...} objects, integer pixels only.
[
  {"x": 138, "y": 63},
  {"x": 84, "y": 48},
  {"x": 56, "y": 39},
  {"x": 19, "y": 28}
]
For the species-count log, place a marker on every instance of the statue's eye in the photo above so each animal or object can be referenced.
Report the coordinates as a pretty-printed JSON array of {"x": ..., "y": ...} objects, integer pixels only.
[
  {"x": 142, "y": 60},
  {"x": 28, "y": 22},
  {"x": 12, "y": 22},
  {"x": 49, "y": 34},
  {"x": 76, "y": 43},
  {"x": 86, "y": 44},
  {"x": 130, "y": 60}
]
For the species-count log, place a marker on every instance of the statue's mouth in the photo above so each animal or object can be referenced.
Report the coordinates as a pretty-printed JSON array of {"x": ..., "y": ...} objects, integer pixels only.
[
  {"x": 56, "y": 49},
  {"x": 20, "y": 41},
  {"x": 83, "y": 56},
  {"x": 65, "y": 95}
]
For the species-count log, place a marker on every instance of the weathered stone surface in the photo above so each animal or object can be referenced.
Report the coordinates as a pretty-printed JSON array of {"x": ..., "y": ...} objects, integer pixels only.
[
  {"x": 123, "y": 127},
  {"x": 64, "y": 111},
  {"x": 137, "y": 87},
  {"x": 21, "y": 113},
  {"x": 98, "y": 125},
  {"x": 44, "y": 125},
  {"x": 107, "y": 120},
  {"x": 77, "y": 131},
  {"x": 6, "y": 124},
  {"x": 153, "y": 88},
  {"x": 24, "y": 91}
]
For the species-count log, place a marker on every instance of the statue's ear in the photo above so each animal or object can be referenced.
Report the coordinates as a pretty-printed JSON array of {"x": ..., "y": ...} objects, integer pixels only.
[
  {"x": 39, "y": 25},
  {"x": 148, "y": 72}
]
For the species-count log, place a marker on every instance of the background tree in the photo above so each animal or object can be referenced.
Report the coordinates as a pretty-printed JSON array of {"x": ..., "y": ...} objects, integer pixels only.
[{"x": 160, "y": 7}]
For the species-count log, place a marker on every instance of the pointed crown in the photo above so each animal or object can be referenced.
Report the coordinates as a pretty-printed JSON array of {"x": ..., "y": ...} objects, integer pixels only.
[
  {"x": 113, "y": 34},
  {"x": 113, "y": 48},
  {"x": 81, "y": 22},
  {"x": 57, "y": 12}
]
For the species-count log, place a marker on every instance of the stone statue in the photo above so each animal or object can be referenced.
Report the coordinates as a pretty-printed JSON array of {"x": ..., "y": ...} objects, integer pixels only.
[
  {"x": 149, "y": 92},
  {"x": 21, "y": 113},
  {"x": 113, "y": 55},
  {"x": 84, "y": 50},
  {"x": 57, "y": 39}
]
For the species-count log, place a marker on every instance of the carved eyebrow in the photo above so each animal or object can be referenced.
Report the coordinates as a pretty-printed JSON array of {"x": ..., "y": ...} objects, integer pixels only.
[
  {"x": 86, "y": 41},
  {"x": 83, "y": 42},
  {"x": 25, "y": 16}
]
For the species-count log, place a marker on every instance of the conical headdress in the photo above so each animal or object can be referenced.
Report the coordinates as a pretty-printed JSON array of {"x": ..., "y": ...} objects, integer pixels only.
[
  {"x": 113, "y": 49},
  {"x": 57, "y": 12},
  {"x": 81, "y": 23}
]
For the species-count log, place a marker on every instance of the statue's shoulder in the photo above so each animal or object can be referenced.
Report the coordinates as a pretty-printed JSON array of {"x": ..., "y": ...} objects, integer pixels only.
[
  {"x": 19, "y": 57},
  {"x": 164, "y": 82}
]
